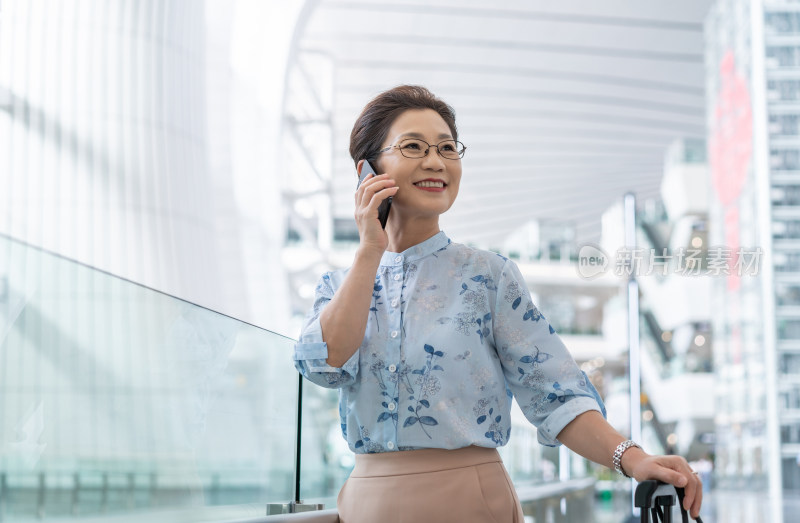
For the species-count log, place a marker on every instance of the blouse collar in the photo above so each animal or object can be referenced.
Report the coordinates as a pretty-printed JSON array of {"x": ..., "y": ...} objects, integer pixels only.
[{"x": 435, "y": 243}]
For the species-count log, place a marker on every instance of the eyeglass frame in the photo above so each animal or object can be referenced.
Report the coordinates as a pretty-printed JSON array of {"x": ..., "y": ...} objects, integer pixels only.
[{"x": 439, "y": 152}]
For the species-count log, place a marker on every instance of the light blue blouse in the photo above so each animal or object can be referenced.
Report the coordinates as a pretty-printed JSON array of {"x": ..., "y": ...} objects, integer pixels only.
[{"x": 452, "y": 334}]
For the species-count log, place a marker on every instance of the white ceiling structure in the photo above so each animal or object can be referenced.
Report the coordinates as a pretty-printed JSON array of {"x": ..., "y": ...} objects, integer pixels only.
[{"x": 563, "y": 106}]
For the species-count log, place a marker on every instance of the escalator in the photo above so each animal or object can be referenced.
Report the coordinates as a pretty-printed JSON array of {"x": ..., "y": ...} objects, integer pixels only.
[{"x": 675, "y": 340}]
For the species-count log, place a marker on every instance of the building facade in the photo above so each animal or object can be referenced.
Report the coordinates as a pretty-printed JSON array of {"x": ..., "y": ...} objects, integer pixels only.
[{"x": 753, "y": 84}]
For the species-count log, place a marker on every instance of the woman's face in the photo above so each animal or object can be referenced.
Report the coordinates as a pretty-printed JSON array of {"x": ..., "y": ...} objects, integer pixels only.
[{"x": 428, "y": 186}]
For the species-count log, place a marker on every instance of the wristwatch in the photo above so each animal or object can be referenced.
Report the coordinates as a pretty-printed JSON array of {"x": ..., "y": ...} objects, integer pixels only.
[{"x": 619, "y": 451}]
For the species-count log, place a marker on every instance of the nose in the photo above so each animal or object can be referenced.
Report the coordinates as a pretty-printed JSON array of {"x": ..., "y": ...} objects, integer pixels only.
[{"x": 432, "y": 160}]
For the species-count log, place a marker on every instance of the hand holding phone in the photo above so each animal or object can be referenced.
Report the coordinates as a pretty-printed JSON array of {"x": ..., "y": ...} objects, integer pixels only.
[{"x": 386, "y": 205}]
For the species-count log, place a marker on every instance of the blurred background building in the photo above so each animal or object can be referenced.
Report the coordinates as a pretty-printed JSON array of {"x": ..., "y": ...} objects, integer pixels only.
[{"x": 174, "y": 178}]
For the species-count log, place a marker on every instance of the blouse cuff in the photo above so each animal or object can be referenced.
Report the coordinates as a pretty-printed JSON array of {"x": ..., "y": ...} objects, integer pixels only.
[
  {"x": 562, "y": 416},
  {"x": 312, "y": 353}
]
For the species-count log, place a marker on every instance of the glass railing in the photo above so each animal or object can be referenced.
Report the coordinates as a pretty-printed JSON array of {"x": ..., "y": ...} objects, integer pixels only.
[
  {"x": 326, "y": 459},
  {"x": 118, "y": 399}
]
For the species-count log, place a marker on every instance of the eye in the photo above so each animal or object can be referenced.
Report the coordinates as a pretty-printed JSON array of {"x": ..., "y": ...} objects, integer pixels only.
[
  {"x": 412, "y": 145},
  {"x": 449, "y": 147}
]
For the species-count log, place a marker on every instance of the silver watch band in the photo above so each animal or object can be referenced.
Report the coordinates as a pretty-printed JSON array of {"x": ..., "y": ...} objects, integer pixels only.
[{"x": 619, "y": 451}]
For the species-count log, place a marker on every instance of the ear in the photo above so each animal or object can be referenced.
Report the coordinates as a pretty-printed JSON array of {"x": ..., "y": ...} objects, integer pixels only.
[{"x": 359, "y": 165}]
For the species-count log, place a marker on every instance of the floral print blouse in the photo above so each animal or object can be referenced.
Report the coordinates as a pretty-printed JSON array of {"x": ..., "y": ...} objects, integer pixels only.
[{"x": 452, "y": 335}]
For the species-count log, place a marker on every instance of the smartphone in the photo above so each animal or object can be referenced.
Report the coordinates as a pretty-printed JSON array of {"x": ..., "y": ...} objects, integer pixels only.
[{"x": 386, "y": 205}]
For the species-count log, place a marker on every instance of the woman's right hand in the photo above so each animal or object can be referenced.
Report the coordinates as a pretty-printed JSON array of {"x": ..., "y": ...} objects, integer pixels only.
[
  {"x": 343, "y": 327},
  {"x": 369, "y": 196}
]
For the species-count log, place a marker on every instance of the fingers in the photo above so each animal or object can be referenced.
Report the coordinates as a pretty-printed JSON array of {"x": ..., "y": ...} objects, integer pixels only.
[
  {"x": 666, "y": 474},
  {"x": 692, "y": 486},
  {"x": 372, "y": 200},
  {"x": 379, "y": 196},
  {"x": 676, "y": 471},
  {"x": 681, "y": 475},
  {"x": 694, "y": 507},
  {"x": 369, "y": 196},
  {"x": 698, "y": 501},
  {"x": 693, "y": 493},
  {"x": 371, "y": 185}
]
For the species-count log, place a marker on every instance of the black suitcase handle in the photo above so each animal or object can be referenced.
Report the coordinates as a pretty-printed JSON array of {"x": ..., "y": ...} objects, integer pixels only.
[{"x": 656, "y": 500}]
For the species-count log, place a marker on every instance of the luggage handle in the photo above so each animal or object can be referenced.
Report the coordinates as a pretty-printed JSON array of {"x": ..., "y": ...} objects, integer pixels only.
[{"x": 658, "y": 498}]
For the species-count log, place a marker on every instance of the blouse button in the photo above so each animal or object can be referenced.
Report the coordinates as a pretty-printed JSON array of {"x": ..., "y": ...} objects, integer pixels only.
[
  {"x": 394, "y": 334},
  {"x": 396, "y": 277},
  {"x": 394, "y": 302},
  {"x": 390, "y": 445},
  {"x": 392, "y": 405},
  {"x": 398, "y": 259},
  {"x": 392, "y": 367}
]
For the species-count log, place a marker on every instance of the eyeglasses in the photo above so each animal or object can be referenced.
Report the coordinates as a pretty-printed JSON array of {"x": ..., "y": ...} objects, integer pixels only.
[{"x": 416, "y": 148}]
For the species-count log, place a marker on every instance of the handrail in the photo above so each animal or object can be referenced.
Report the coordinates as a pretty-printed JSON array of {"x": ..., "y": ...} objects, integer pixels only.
[
  {"x": 557, "y": 489},
  {"x": 535, "y": 498},
  {"x": 319, "y": 516},
  {"x": 571, "y": 500}
]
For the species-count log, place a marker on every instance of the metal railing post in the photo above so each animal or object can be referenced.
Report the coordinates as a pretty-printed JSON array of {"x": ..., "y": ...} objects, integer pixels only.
[
  {"x": 633, "y": 330},
  {"x": 296, "y": 505}
]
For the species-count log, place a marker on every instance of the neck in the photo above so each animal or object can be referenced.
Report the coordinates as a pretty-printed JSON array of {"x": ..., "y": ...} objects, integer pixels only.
[{"x": 402, "y": 237}]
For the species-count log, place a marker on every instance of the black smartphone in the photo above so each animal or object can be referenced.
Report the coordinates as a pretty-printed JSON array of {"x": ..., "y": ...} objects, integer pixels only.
[{"x": 386, "y": 205}]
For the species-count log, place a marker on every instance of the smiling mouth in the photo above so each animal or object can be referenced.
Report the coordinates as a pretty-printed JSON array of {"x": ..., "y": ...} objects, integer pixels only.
[{"x": 431, "y": 184}]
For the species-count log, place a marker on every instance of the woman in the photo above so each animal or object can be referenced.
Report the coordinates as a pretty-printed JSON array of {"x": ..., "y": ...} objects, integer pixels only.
[{"x": 427, "y": 340}]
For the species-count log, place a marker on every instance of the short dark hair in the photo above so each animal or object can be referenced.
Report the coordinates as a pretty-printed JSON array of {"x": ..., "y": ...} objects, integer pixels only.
[{"x": 373, "y": 124}]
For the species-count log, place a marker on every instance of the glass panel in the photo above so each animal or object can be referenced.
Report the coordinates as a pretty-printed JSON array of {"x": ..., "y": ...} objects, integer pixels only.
[
  {"x": 783, "y": 56},
  {"x": 790, "y": 434},
  {"x": 686, "y": 151},
  {"x": 782, "y": 23},
  {"x": 785, "y": 90},
  {"x": 785, "y": 159},
  {"x": 789, "y": 399},
  {"x": 787, "y": 262},
  {"x": 785, "y": 229},
  {"x": 784, "y": 125},
  {"x": 788, "y": 329},
  {"x": 115, "y": 398},
  {"x": 326, "y": 459},
  {"x": 790, "y": 364},
  {"x": 787, "y": 195}
]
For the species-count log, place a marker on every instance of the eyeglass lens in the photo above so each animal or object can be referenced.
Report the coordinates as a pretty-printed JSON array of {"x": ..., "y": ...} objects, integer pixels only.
[{"x": 413, "y": 148}]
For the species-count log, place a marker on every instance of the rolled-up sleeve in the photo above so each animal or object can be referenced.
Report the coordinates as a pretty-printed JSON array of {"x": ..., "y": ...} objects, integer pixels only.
[
  {"x": 311, "y": 352},
  {"x": 549, "y": 387}
]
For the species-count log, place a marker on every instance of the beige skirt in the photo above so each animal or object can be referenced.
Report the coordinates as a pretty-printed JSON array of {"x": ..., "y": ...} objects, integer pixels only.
[{"x": 468, "y": 485}]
